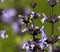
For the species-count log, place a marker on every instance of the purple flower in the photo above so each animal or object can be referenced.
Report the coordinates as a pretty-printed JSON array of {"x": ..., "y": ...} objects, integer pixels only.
[
  {"x": 8, "y": 15},
  {"x": 58, "y": 38},
  {"x": 20, "y": 21},
  {"x": 52, "y": 3},
  {"x": 28, "y": 45},
  {"x": 36, "y": 31},
  {"x": 15, "y": 27},
  {"x": 24, "y": 30},
  {"x": 50, "y": 48},
  {"x": 59, "y": 17},
  {"x": 44, "y": 18},
  {"x": 42, "y": 28},
  {"x": 42, "y": 42},
  {"x": 2, "y": 34},
  {"x": 35, "y": 15},
  {"x": 44, "y": 37}
]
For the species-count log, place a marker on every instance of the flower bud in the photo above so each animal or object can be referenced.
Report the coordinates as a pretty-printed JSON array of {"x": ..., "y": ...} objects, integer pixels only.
[
  {"x": 33, "y": 4},
  {"x": 52, "y": 3}
]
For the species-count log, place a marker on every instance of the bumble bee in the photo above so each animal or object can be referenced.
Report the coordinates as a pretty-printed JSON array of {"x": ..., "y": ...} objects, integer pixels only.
[{"x": 27, "y": 20}]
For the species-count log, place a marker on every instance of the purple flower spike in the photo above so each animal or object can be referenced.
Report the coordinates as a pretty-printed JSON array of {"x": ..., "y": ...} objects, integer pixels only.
[
  {"x": 44, "y": 37},
  {"x": 42, "y": 44},
  {"x": 44, "y": 18},
  {"x": 25, "y": 45},
  {"x": 28, "y": 45}
]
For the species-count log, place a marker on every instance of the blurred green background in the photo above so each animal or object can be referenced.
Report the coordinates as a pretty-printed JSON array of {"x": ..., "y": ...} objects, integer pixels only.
[{"x": 12, "y": 42}]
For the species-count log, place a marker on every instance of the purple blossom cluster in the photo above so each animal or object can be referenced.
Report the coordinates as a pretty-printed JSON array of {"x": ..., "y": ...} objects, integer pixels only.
[
  {"x": 25, "y": 19},
  {"x": 50, "y": 19},
  {"x": 40, "y": 42}
]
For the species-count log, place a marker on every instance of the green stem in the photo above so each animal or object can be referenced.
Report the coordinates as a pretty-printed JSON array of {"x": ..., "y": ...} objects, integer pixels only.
[
  {"x": 52, "y": 11},
  {"x": 52, "y": 29},
  {"x": 52, "y": 23},
  {"x": 52, "y": 33}
]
